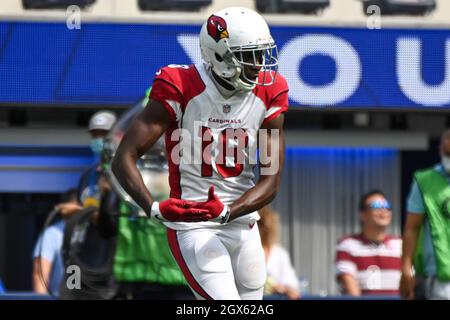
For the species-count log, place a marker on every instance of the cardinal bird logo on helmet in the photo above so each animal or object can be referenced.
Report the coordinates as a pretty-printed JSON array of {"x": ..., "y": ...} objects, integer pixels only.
[{"x": 217, "y": 28}]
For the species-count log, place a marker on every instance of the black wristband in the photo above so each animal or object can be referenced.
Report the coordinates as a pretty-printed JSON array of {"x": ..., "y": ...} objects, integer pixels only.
[{"x": 226, "y": 217}]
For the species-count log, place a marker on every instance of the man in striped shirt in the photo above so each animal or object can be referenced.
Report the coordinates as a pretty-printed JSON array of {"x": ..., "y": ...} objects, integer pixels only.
[{"x": 369, "y": 263}]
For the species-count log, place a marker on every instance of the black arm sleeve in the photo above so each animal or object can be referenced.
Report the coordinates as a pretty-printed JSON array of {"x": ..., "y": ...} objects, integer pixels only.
[{"x": 109, "y": 214}]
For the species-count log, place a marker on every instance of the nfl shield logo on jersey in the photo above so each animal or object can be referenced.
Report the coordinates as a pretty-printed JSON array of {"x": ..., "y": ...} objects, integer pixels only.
[{"x": 226, "y": 108}]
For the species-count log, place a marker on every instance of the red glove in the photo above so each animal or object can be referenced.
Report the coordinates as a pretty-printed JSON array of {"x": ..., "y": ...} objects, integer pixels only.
[
  {"x": 217, "y": 211},
  {"x": 177, "y": 210}
]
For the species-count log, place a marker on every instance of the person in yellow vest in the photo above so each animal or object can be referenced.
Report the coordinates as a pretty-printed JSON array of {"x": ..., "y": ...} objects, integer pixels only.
[
  {"x": 144, "y": 267},
  {"x": 426, "y": 237}
]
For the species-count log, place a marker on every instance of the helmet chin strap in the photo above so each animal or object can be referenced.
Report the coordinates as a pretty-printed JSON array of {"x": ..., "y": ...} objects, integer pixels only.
[
  {"x": 235, "y": 82},
  {"x": 244, "y": 85},
  {"x": 238, "y": 83}
]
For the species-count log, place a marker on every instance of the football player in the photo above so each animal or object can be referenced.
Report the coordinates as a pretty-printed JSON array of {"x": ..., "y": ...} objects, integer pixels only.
[{"x": 212, "y": 112}]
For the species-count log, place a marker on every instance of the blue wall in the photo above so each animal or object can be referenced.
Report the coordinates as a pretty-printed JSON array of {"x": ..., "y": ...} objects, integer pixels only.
[
  {"x": 104, "y": 63},
  {"x": 42, "y": 169}
]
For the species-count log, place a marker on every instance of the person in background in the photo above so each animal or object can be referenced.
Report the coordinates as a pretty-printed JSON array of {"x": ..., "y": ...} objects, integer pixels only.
[
  {"x": 426, "y": 236},
  {"x": 281, "y": 277},
  {"x": 85, "y": 246},
  {"x": 100, "y": 125},
  {"x": 368, "y": 263},
  {"x": 48, "y": 267}
]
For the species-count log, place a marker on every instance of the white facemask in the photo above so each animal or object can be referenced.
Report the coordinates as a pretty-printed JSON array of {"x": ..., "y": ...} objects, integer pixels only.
[{"x": 446, "y": 163}]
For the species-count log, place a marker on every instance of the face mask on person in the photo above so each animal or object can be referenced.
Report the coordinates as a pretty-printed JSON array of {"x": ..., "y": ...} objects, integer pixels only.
[
  {"x": 97, "y": 145},
  {"x": 446, "y": 163}
]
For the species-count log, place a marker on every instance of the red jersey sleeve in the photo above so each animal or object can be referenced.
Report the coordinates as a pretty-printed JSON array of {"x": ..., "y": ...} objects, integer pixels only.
[
  {"x": 166, "y": 90},
  {"x": 345, "y": 263},
  {"x": 277, "y": 99}
]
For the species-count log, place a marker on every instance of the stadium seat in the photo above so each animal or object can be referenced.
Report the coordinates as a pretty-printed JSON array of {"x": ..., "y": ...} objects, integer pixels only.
[
  {"x": 291, "y": 6},
  {"x": 173, "y": 5},
  {"x": 55, "y": 4},
  {"x": 401, "y": 7}
]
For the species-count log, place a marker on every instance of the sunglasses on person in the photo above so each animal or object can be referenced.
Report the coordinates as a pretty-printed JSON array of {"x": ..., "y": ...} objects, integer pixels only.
[{"x": 379, "y": 205}]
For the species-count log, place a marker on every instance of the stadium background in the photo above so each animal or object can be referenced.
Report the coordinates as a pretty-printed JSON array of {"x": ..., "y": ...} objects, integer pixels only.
[{"x": 366, "y": 109}]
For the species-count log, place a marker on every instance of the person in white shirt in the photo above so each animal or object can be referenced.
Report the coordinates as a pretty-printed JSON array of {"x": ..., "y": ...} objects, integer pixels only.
[{"x": 281, "y": 276}]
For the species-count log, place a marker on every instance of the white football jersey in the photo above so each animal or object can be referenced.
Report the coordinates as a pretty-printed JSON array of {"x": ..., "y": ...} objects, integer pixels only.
[{"x": 218, "y": 135}]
